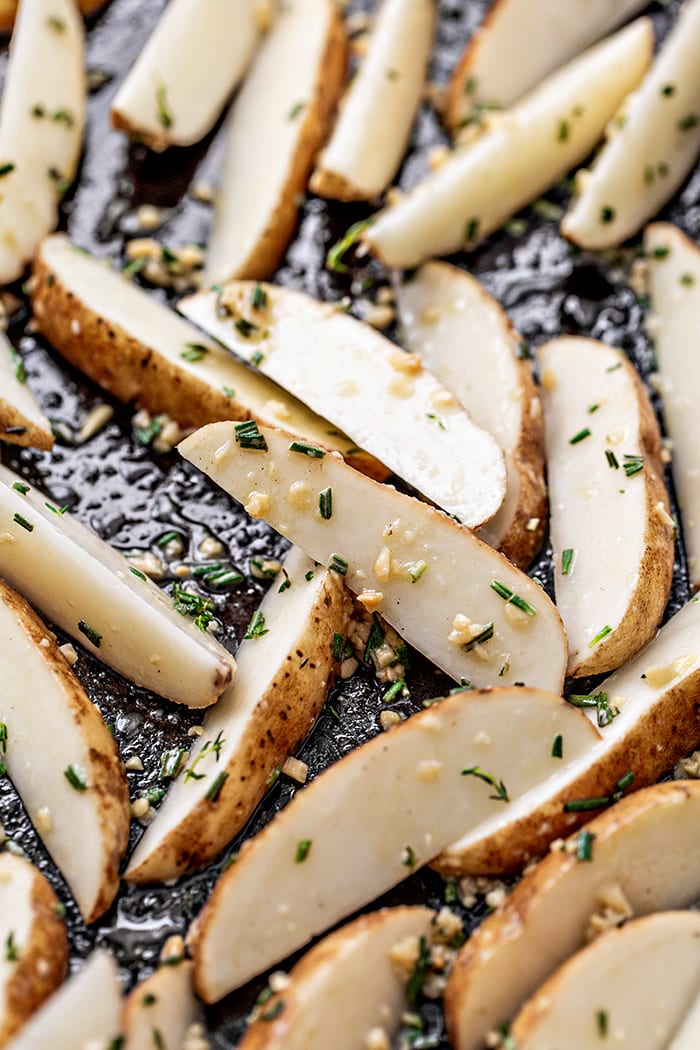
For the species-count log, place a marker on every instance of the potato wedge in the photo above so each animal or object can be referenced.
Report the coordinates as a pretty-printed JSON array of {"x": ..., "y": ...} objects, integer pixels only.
[
  {"x": 650, "y": 150},
  {"x": 275, "y": 129},
  {"x": 61, "y": 758},
  {"x": 41, "y": 131},
  {"x": 647, "y": 714},
  {"x": 159, "y": 1010},
  {"x": 645, "y": 858},
  {"x": 140, "y": 351},
  {"x": 468, "y": 343},
  {"x": 688, "y": 1035},
  {"x": 382, "y": 398},
  {"x": 496, "y": 70},
  {"x": 674, "y": 286},
  {"x": 383, "y": 811},
  {"x": 186, "y": 71},
  {"x": 35, "y": 947},
  {"x": 462, "y": 604},
  {"x": 90, "y": 590},
  {"x": 282, "y": 683},
  {"x": 8, "y": 11},
  {"x": 343, "y": 988},
  {"x": 21, "y": 420},
  {"x": 520, "y": 154},
  {"x": 632, "y": 985},
  {"x": 83, "y": 1012},
  {"x": 372, "y": 132},
  {"x": 611, "y": 529}
]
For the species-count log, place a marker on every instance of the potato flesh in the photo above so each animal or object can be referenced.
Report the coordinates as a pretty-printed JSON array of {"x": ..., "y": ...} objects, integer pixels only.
[
  {"x": 75, "y": 577},
  {"x": 647, "y": 845},
  {"x": 642, "y": 979},
  {"x": 345, "y": 986},
  {"x": 358, "y": 378},
  {"x": 452, "y": 322},
  {"x": 45, "y": 71},
  {"x": 266, "y": 122},
  {"x": 520, "y": 154},
  {"x": 87, "y": 1008},
  {"x": 500, "y": 70},
  {"x": 189, "y": 66},
  {"x": 383, "y": 810},
  {"x": 17, "y": 396},
  {"x": 674, "y": 284},
  {"x": 163, "y": 1003},
  {"x": 427, "y": 568},
  {"x": 647, "y": 159},
  {"x": 688, "y": 1035},
  {"x": 372, "y": 131},
  {"x": 16, "y": 914},
  {"x": 237, "y": 717}
]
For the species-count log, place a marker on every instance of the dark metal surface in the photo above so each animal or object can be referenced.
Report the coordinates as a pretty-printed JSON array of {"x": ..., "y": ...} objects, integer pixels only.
[{"x": 131, "y": 497}]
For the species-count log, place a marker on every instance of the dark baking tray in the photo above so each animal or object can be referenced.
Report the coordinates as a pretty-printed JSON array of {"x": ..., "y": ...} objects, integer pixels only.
[{"x": 131, "y": 497}]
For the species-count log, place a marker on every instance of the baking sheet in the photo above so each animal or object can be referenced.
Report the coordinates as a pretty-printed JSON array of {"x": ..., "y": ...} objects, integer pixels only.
[{"x": 131, "y": 496}]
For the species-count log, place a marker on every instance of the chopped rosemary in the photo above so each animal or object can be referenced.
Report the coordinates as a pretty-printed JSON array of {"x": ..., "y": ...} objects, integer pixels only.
[
  {"x": 513, "y": 599},
  {"x": 375, "y": 640},
  {"x": 167, "y": 538},
  {"x": 56, "y": 23},
  {"x": 296, "y": 110},
  {"x": 273, "y": 776},
  {"x": 334, "y": 258},
  {"x": 259, "y": 298},
  {"x": 3, "y": 738},
  {"x": 480, "y": 638},
  {"x": 303, "y": 849},
  {"x": 395, "y": 690},
  {"x": 170, "y": 763},
  {"x": 338, "y": 564},
  {"x": 5, "y": 169},
  {"x": 607, "y": 214},
  {"x": 245, "y": 328},
  {"x": 420, "y": 970},
  {"x": 409, "y": 857},
  {"x": 582, "y": 805},
  {"x": 194, "y": 352},
  {"x": 337, "y": 646},
  {"x": 417, "y": 570},
  {"x": 215, "y": 789},
  {"x": 90, "y": 633},
  {"x": 602, "y": 633},
  {"x": 612, "y": 459},
  {"x": 687, "y": 279},
  {"x": 248, "y": 436},
  {"x": 23, "y": 522},
  {"x": 471, "y": 230},
  {"x": 661, "y": 252},
  {"x": 285, "y": 584},
  {"x": 228, "y": 391},
  {"x": 584, "y": 845},
  {"x": 20, "y": 487},
  {"x": 272, "y": 1011},
  {"x": 11, "y": 952},
  {"x": 601, "y": 1016},
  {"x": 688, "y": 122},
  {"x": 604, "y": 712},
  {"x": 212, "y": 747},
  {"x": 256, "y": 627},
  {"x": 20, "y": 371},
  {"x": 137, "y": 572},
  {"x": 558, "y": 746},
  {"x": 563, "y": 131},
  {"x": 74, "y": 779},
  {"x": 501, "y": 793},
  {"x": 567, "y": 560},
  {"x": 63, "y": 116},
  {"x": 257, "y": 358},
  {"x": 189, "y": 604},
  {"x": 307, "y": 450},
  {"x": 582, "y": 434},
  {"x": 325, "y": 503},
  {"x": 164, "y": 115},
  {"x": 633, "y": 465},
  {"x": 625, "y": 781}
]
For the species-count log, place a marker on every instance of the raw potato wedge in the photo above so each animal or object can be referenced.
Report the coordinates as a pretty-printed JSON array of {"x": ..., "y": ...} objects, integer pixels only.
[
  {"x": 646, "y": 158},
  {"x": 35, "y": 947},
  {"x": 41, "y": 130},
  {"x": 443, "y": 589},
  {"x": 8, "y": 11},
  {"x": 496, "y": 69},
  {"x": 275, "y": 128},
  {"x": 282, "y": 683},
  {"x": 688, "y": 1035},
  {"x": 61, "y": 758},
  {"x": 674, "y": 286},
  {"x": 381, "y": 397},
  {"x": 195, "y": 57},
  {"x": 382, "y": 811},
  {"x": 160, "y": 1009},
  {"x": 21, "y": 420},
  {"x": 344, "y": 987},
  {"x": 468, "y": 343},
  {"x": 372, "y": 132},
  {"x": 520, "y": 154},
  {"x": 632, "y": 986},
  {"x": 137, "y": 349},
  {"x": 85, "y": 1011},
  {"x": 611, "y": 529},
  {"x": 89, "y": 590},
  {"x": 645, "y": 858},
  {"x": 655, "y": 696}
]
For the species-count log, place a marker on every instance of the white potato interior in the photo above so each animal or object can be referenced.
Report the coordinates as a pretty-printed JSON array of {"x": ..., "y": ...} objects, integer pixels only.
[
  {"x": 365, "y": 385},
  {"x": 165, "y": 1004},
  {"x": 16, "y": 393},
  {"x": 17, "y": 914},
  {"x": 688, "y": 1035}
]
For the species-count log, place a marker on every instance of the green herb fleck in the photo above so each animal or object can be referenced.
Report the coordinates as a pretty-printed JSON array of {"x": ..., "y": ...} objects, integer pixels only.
[
  {"x": 11, "y": 952},
  {"x": 567, "y": 560},
  {"x": 607, "y": 214},
  {"x": 687, "y": 279},
  {"x": 325, "y": 503},
  {"x": 558, "y": 746},
  {"x": 476, "y": 771},
  {"x": 602, "y": 633},
  {"x": 420, "y": 970},
  {"x": 688, "y": 122},
  {"x": 612, "y": 459},
  {"x": 195, "y": 352},
  {"x": 272, "y": 1011},
  {"x": 581, "y": 436},
  {"x": 307, "y": 450},
  {"x": 296, "y": 110},
  {"x": 5, "y": 169},
  {"x": 584, "y": 845},
  {"x": 338, "y": 564},
  {"x": 90, "y": 633},
  {"x": 471, "y": 230},
  {"x": 164, "y": 115},
  {"x": 394, "y": 691},
  {"x": 513, "y": 599},
  {"x": 303, "y": 849},
  {"x": 74, "y": 779},
  {"x": 215, "y": 789},
  {"x": 256, "y": 627},
  {"x": 633, "y": 465},
  {"x": 23, "y": 522},
  {"x": 334, "y": 258},
  {"x": 248, "y": 436}
]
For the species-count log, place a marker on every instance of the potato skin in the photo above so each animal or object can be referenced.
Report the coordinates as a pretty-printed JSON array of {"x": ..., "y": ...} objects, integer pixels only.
[
  {"x": 43, "y": 963},
  {"x": 454, "y": 110},
  {"x": 33, "y": 436},
  {"x": 282, "y": 720}
]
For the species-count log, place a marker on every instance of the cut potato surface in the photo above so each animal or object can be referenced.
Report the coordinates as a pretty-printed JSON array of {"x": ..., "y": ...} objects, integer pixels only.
[
  {"x": 141, "y": 351},
  {"x": 462, "y": 604},
  {"x": 275, "y": 128},
  {"x": 468, "y": 343},
  {"x": 61, "y": 758},
  {"x": 496, "y": 69},
  {"x": 8, "y": 11},
  {"x": 41, "y": 129},
  {"x": 374, "y": 126},
  {"x": 91, "y": 591},
  {"x": 520, "y": 154},
  {"x": 344, "y": 987},
  {"x": 649, "y": 154},
  {"x": 645, "y": 857},
  {"x": 35, "y": 947},
  {"x": 646, "y": 712},
  {"x": 674, "y": 286},
  {"x": 611, "y": 529},
  {"x": 284, "y": 673},
  {"x": 383, "y": 810},
  {"x": 632, "y": 986},
  {"x": 688, "y": 1035},
  {"x": 189, "y": 66},
  {"x": 381, "y": 397},
  {"x": 84, "y": 1012},
  {"x": 21, "y": 420},
  {"x": 160, "y": 1009}
]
